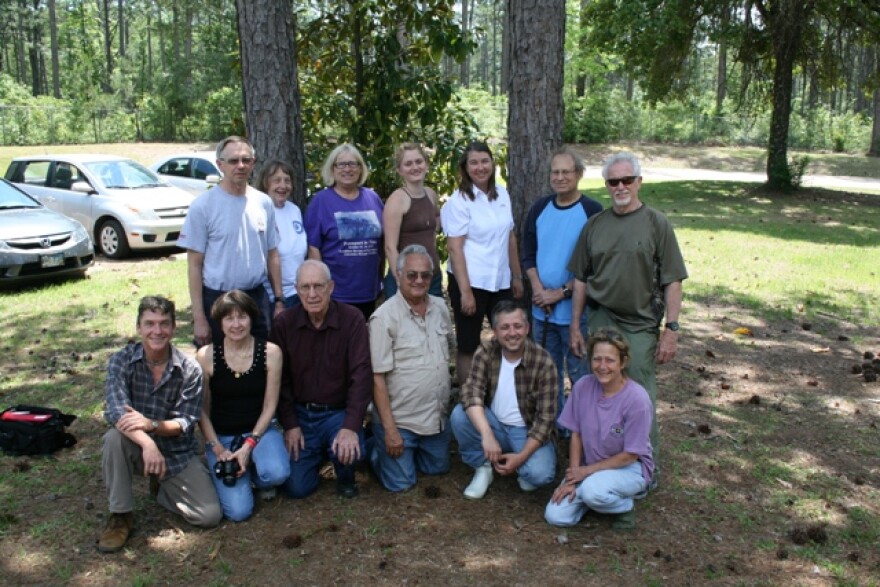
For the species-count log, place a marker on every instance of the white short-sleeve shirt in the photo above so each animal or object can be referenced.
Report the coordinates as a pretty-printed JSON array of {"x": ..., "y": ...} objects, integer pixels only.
[{"x": 486, "y": 226}]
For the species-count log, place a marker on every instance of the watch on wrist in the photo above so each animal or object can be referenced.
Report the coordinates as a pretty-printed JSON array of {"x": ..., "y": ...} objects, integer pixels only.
[
  {"x": 566, "y": 292},
  {"x": 154, "y": 425},
  {"x": 673, "y": 326}
]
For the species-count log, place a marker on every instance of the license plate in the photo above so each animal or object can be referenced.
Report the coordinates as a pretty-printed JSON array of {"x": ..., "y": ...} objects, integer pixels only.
[{"x": 52, "y": 260}]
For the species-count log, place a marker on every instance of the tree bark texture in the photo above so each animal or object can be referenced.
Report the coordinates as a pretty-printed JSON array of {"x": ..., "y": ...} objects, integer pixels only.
[
  {"x": 53, "y": 42},
  {"x": 108, "y": 52},
  {"x": 875, "y": 129},
  {"x": 267, "y": 35},
  {"x": 465, "y": 66},
  {"x": 536, "y": 36},
  {"x": 786, "y": 19},
  {"x": 34, "y": 53}
]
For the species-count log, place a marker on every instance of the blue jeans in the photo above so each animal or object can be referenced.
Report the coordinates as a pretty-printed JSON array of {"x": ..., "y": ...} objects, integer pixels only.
[
  {"x": 269, "y": 467},
  {"x": 608, "y": 492},
  {"x": 319, "y": 429},
  {"x": 557, "y": 345},
  {"x": 389, "y": 285},
  {"x": 428, "y": 454},
  {"x": 538, "y": 470}
]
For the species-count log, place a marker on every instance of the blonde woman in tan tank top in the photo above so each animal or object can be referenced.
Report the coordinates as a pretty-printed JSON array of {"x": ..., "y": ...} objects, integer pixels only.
[{"x": 411, "y": 216}]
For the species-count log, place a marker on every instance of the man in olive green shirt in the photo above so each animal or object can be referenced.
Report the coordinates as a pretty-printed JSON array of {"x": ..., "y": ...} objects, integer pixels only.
[{"x": 629, "y": 269}]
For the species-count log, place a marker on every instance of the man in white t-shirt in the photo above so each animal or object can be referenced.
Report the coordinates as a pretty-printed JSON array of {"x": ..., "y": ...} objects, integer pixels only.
[{"x": 506, "y": 417}]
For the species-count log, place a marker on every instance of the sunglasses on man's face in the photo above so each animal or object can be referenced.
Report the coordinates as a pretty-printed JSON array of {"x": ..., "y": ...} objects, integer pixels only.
[
  {"x": 628, "y": 180},
  {"x": 414, "y": 275}
]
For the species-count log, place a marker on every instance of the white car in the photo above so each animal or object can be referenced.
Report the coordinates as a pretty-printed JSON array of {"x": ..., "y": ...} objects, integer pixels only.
[
  {"x": 194, "y": 172},
  {"x": 122, "y": 204}
]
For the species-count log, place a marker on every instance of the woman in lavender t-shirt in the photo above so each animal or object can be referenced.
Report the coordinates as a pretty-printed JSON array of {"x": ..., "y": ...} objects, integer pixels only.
[{"x": 609, "y": 416}]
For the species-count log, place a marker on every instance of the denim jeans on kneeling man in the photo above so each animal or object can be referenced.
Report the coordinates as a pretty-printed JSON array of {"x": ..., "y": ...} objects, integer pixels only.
[
  {"x": 319, "y": 429},
  {"x": 538, "y": 470},
  {"x": 427, "y": 454}
]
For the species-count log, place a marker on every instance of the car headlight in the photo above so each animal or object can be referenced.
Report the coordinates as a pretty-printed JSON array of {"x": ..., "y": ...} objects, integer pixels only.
[
  {"x": 144, "y": 213},
  {"x": 80, "y": 234}
]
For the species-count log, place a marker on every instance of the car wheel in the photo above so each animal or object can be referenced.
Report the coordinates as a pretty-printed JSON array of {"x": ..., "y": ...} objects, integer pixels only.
[{"x": 112, "y": 240}]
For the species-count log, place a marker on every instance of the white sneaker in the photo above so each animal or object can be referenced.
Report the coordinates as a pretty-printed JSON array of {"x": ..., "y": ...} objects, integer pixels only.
[
  {"x": 480, "y": 483},
  {"x": 525, "y": 485}
]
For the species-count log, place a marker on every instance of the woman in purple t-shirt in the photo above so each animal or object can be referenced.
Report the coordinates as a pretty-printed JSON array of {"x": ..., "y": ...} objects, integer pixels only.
[
  {"x": 609, "y": 416},
  {"x": 344, "y": 229}
]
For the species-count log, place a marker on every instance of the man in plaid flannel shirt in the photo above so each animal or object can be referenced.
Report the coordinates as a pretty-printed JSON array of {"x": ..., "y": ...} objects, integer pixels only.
[{"x": 506, "y": 418}]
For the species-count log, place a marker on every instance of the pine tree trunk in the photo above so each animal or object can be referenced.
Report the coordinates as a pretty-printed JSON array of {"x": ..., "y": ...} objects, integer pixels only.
[
  {"x": 53, "y": 41},
  {"x": 875, "y": 129},
  {"x": 536, "y": 37},
  {"x": 267, "y": 34}
]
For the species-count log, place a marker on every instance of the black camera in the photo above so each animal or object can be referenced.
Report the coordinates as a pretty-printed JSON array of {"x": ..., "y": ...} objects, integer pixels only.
[{"x": 227, "y": 471}]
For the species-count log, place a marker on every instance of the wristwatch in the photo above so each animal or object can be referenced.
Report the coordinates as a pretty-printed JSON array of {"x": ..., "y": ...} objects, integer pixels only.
[
  {"x": 566, "y": 292},
  {"x": 673, "y": 326},
  {"x": 154, "y": 425}
]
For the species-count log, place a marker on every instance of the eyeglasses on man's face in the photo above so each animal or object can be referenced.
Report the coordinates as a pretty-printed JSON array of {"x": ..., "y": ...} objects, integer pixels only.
[
  {"x": 312, "y": 287},
  {"x": 235, "y": 161},
  {"x": 628, "y": 180}
]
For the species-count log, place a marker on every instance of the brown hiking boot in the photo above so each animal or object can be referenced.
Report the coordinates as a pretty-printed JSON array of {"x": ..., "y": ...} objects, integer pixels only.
[{"x": 116, "y": 533}]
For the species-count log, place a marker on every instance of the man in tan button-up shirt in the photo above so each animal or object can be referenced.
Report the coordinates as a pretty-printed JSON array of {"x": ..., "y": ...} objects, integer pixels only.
[{"x": 410, "y": 339}]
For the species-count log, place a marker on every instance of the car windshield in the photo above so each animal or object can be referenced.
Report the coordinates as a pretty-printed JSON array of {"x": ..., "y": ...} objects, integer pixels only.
[
  {"x": 124, "y": 175},
  {"x": 11, "y": 198}
]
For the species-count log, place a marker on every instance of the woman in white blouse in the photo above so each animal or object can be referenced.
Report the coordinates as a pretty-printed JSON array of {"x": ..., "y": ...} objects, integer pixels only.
[{"x": 483, "y": 258}]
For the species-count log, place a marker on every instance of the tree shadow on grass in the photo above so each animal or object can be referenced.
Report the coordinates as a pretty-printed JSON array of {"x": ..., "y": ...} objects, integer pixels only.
[{"x": 775, "y": 430}]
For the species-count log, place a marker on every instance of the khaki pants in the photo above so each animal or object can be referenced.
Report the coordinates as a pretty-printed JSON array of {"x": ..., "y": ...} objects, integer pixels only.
[{"x": 189, "y": 494}]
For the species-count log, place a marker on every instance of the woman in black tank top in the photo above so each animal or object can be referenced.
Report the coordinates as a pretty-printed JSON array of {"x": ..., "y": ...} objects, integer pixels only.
[{"x": 242, "y": 378}]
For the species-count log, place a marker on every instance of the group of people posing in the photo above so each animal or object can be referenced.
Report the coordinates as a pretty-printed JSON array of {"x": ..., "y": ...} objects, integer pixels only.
[{"x": 293, "y": 350}]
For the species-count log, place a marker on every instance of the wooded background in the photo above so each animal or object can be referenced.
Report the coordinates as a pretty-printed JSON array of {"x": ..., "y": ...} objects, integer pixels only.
[{"x": 298, "y": 77}]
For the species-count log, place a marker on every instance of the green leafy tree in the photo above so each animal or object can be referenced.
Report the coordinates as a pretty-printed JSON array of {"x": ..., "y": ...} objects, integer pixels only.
[{"x": 371, "y": 75}]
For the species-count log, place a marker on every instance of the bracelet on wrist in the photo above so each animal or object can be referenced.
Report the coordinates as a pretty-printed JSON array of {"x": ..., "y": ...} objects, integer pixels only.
[{"x": 250, "y": 442}]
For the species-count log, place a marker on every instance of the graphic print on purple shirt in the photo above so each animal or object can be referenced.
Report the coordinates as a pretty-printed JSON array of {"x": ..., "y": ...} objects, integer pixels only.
[{"x": 360, "y": 232}]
